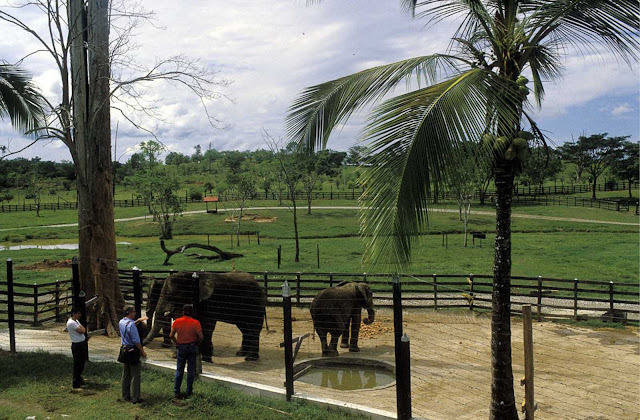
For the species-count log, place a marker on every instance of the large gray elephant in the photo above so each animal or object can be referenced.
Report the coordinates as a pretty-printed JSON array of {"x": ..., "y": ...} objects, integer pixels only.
[
  {"x": 333, "y": 309},
  {"x": 236, "y": 298}
]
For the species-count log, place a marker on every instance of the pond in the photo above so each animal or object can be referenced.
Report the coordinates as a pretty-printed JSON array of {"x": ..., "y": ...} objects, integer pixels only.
[{"x": 348, "y": 374}]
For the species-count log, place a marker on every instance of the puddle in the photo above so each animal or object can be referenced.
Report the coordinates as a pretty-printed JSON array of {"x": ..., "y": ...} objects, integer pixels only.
[
  {"x": 58, "y": 246},
  {"x": 347, "y": 378}
]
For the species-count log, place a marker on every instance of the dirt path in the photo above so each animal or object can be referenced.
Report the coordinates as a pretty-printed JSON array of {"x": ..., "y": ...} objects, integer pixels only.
[
  {"x": 484, "y": 213},
  {"x": 580, "y": 373}
]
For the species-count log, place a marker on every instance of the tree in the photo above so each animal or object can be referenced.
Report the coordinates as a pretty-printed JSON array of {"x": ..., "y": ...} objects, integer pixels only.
[
  {"x": 626, "y": 164},
  {"x": 19, "y": 99},
  {"x": 244, "y": 188},
  {"x": 144, "y": 178},
  {"x": 595, "y": 154},
  {"x": 474, "y": 89},
  {"x": 543, "y": 163},
  {"x": 291, "y": 174},
  {"x": 166, "y": 206},
  {"x": 96, "y": 75},
  {"x": 36, "y": 187}
]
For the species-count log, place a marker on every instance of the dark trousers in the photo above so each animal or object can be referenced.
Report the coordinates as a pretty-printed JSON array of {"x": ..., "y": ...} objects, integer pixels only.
[
  {"x": 80, "y": 352},
  {"x": 187, "y": 354},
  {"x": 131, "y": 381}
]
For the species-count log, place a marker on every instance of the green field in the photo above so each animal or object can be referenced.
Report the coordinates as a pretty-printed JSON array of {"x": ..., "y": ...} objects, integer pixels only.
[{"x": 548, "y": 248}]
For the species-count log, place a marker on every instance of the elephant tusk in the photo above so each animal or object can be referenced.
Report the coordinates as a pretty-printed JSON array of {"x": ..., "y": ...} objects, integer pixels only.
[{"x": 167, "y": 313}]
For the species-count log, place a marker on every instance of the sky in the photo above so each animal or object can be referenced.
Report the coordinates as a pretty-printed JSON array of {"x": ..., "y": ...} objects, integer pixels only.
[{"x": 269, "y": 51}]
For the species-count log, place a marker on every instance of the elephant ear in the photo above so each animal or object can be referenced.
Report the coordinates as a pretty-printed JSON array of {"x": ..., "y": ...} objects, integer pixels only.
[
  {"x": 342, "y": 283},
  {"x": 361, "y": 289},
  {"x": 206, "y": 287}
]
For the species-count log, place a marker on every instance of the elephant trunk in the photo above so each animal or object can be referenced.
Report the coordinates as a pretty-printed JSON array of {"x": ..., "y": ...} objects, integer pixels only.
[
  {"x": 157, "y": 322},
  {"x": 153, "y": 332},
  {"x": 371, "y": 316}
]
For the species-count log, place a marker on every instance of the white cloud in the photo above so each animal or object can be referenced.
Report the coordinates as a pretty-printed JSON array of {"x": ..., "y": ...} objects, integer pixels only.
[
  {"x": 622, "y": 109},
  {"x": 273, "y": 50}
]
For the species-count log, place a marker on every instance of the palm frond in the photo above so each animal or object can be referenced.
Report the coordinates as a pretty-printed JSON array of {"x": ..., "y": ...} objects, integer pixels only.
[
  {"x": 19, "y": 99},
  {"x": 415, "y": 138},
  {"x": 317, "y": 111},
  {"x": 588, "y": 25},
  {"x": 545, "y": 64}
]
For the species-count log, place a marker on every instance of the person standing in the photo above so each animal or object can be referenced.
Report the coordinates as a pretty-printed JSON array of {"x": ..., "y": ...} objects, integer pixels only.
[
  {"x": 189, "y": 333},
  {"x": 130, "y": 341},
  {"x": 79, "y": 346}
]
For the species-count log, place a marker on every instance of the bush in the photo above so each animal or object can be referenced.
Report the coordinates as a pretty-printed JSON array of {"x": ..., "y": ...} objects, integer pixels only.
[{"x": 195, "y": 195}]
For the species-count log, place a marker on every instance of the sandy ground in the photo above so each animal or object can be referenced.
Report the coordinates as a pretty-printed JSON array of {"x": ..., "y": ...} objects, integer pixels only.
[{"x": 579, "y": 373}]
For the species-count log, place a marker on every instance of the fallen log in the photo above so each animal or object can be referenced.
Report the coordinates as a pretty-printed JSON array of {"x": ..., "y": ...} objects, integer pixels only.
[{"x": 222, "y": 255}]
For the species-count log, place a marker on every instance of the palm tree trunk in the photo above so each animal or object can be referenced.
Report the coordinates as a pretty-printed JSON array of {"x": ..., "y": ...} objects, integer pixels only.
[{"x": 503, "y": 405}]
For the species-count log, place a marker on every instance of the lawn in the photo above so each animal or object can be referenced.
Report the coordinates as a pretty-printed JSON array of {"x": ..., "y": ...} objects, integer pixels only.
[{"x": 39, "y": 384}]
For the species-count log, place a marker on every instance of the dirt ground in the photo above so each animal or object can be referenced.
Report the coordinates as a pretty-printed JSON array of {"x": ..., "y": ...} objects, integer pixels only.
[{"x": 579, "y": 373}]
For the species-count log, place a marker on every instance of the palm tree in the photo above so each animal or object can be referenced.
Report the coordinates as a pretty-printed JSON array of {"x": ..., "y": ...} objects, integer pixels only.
[
  {"x": 19, "y": 98},
  {"x": 473, "y": 93}
]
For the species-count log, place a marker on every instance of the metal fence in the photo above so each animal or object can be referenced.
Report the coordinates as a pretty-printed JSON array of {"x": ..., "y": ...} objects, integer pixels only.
[{"x": 551, "y": 195}]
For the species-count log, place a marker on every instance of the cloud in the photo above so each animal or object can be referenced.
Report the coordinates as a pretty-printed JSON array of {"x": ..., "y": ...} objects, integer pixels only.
[
  {"x": 272, "y": 51},
  {"x": 621, "y": 109}
]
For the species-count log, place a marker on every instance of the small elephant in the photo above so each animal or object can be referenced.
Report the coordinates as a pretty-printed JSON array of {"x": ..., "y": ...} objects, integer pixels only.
[
  {"x": 333, "y": 309},
  {"x": 235, "y": 298}
]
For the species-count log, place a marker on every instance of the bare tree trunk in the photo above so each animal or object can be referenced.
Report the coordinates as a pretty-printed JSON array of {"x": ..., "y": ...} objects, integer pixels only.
[
  {"x": 92, "y": 156},
  {"x": 593, "y": 187},
  {"x": 503, "y": 406},
  {"x": 309, "y": 202}
]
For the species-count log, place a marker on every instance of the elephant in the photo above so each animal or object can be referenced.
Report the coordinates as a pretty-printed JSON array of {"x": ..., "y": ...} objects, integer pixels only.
[
  {"x": 333, "y": 309},
  {"x": 235, "y": 298}
]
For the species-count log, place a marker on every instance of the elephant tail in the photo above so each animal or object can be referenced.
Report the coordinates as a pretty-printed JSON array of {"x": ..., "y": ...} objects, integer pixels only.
[{"x": 265, "y": 318}]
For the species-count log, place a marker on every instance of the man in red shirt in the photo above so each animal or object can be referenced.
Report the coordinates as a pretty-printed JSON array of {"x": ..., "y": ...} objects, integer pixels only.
[{"x": 189, "y": 333}]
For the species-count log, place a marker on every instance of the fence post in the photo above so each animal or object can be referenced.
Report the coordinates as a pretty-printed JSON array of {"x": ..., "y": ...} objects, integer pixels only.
[
  {"x": 266, "y": 284},
  {"x": 137, "y": 292},
  {"x": 288, "y": 339},
  {"x": 298, "y": 289},
  {"x": 330, "y": 279},
  {"x": 57, "y": 300},
  {"x": 195, "y": 293},
  {"x": 471, "y": 291},
  {"x": 258, "y": 237},
  {"x": 11, "y": 308},
  {"x": 435, "y": 292},
  {"x": 318, "y": 254},
  {"x": 279, "y": 255},
  {"x": 575, "y": 299},
  {"x": 529, "y": 405},
  {"x": 364, "y": 278},
  {"x": 35, "y": 304},
  {"x": 611, "y": 299},
  {"x": 403, "y": 366},
  {"x": 539, "y": 298}
]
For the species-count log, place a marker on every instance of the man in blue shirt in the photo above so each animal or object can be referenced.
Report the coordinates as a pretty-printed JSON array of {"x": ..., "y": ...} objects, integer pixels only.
[{"x": 130, "y": 339}]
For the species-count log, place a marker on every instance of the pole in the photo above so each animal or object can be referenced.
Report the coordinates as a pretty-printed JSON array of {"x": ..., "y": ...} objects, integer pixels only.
[
  {"x": 575, "y": 299},
  {"x": 539, "y": 298},
  {"x": 11, "y": 309},
  {"x": 279, "y": 255},
  {"x": 137, "y": 292},
  {"x": 288, "y": 339},
  {"x": 435, "y": 292},
  {"x": 298, "y": 289},
  {"x": 403, "y": 370},
  {"x": 529, "y": 400},
  {"x": 318, "y": 254},
  {"x": 196, "y": 293}
]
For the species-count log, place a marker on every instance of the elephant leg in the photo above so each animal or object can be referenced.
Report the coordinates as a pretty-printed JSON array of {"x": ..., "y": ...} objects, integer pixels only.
[
  {"x": 323, "y": 343},
  {"x": 355, "y": 332},
  {"x": 252, "y": 345},
  {"x": 206, "y": 347},
  {"x": 333, "y": 346},
  {"x": 344, "y": 343},
  {"x": 243, "y": 348}
]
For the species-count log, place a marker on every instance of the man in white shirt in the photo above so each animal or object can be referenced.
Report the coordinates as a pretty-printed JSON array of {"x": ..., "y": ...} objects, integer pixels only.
[{"x": 79, "y": 347}]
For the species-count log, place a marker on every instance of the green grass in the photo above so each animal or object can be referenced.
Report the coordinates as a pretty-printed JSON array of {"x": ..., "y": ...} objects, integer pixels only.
[
  {"x": 39, "y": 384},
  {"x": 547, "y": 248}
]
